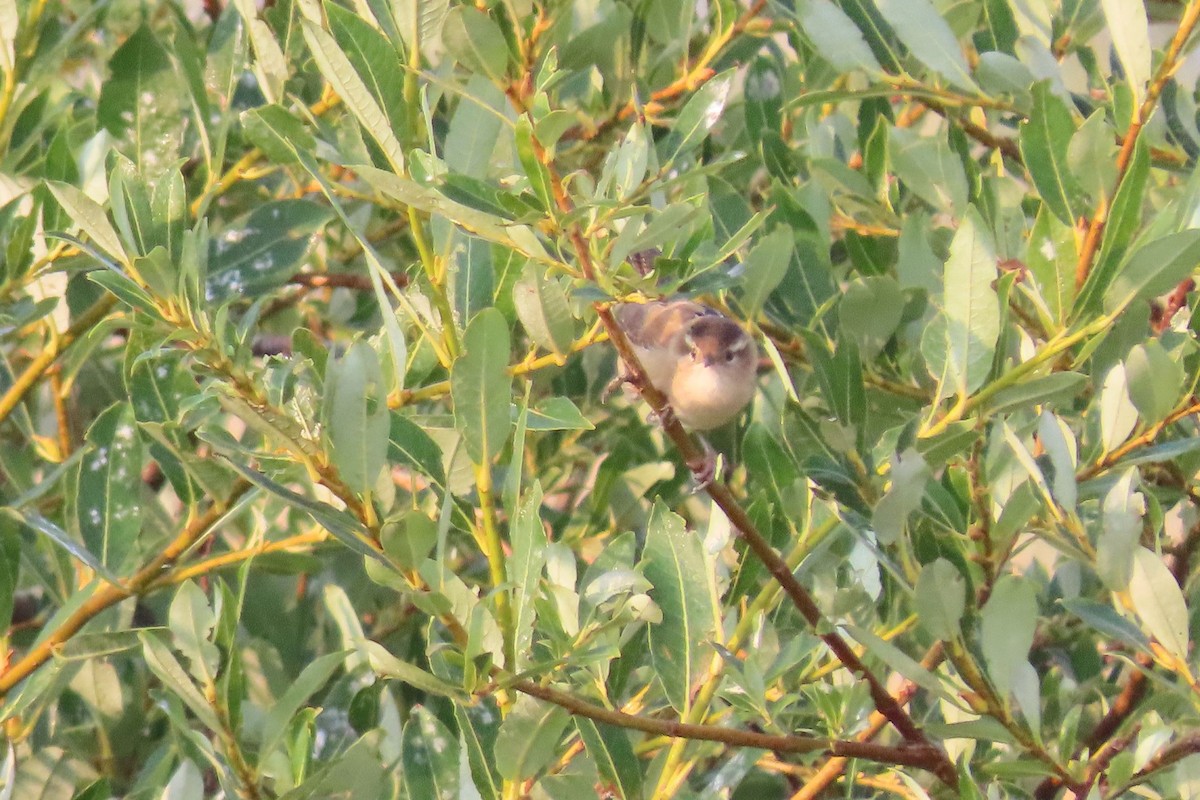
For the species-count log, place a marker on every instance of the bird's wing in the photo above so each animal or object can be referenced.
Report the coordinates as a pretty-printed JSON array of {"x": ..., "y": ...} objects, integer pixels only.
[{"x": 651, "y": 325}]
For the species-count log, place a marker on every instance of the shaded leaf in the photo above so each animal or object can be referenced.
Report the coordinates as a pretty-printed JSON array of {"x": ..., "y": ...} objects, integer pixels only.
[
  {"x": 482, "y": 388},
  {"x": 675, "y": 565},
  {"x": 529, "y": 737},
  {"x": 1045, "y": 139},
  {"x": 1159, "y": 602},
  {"x": 108, "y": 505}
]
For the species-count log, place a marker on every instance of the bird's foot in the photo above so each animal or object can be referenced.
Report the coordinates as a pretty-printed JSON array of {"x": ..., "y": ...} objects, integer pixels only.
[
  {"x": 704, "y": 471},
  {"x": 663, "y": 418},
  {"x": 616, "y": 383}
]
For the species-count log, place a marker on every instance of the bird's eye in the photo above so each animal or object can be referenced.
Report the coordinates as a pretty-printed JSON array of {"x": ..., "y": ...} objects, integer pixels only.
[
  {"x": 729, "y": 355},
  {"x": 692, "y": 355}
]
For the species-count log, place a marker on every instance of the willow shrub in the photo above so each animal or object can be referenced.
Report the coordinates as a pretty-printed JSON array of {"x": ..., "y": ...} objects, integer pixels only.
[{"x": 310, "y": 492}]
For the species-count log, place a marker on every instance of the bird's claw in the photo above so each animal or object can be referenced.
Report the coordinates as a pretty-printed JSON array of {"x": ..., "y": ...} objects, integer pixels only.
[
  {"x": 704, "y": 472},
  {"x": 662, "y": 418},
  {"x": 616, "y": 383}
]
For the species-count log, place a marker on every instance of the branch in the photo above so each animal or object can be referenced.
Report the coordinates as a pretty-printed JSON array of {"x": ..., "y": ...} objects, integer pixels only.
[
  {"x": 922, "y": 756},
  {"x": 694, "y": 457},
  {"x": 836, "y": 765},
  {"x": 38, "y": 366},
  {"x": 109, "y": 594},
  {"x": 1144, "y": 439},
  {"x": 1170, "y": 62}
]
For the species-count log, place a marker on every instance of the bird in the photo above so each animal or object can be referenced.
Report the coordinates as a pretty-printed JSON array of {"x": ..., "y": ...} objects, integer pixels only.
[{"x": 701, "y": 360}]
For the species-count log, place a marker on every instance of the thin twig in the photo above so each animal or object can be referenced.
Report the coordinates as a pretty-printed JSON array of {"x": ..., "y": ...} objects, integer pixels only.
[
  {"x": 1170, "y": 62},
  {"x": 109, "y": 594},
  {"x": 922, "y": 756}
]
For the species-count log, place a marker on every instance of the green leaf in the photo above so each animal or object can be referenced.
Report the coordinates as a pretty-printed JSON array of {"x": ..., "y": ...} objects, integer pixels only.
[
  {"x": 629, "y": 162},
  {"x": 142, "y": 102},
  {"x": 870, "y": 312},
  {"x": 420, "y": 22},
  {"x": 1106, "y": 621},
  {"x": 1051, "y": 258},
  {"x": 162, "y": 663},
  {"x": 1041, "y": 390},
  {"x": 476, "y": 41},
  {"x": 10, "y": 23},
  {"x": 557, "y": 414},
  {"x": 1121, "y": 529},
  {"x": 254, "y": 258},
  {"x": 345, "y": 528},
  {"x": 1124, "y": 220},
  {"x": 191, "y": 622},
  {"x": 409, "y": 540},
  {"x": 765, "y": 267},
  {"x": 10, "y": 565},
  {"x": 1045, "y": 139},
  {"x": 408, "y": 444},
  {"x": 615, "y": 760},
  {"x": 835, "y": 36},
  {"x": 1059, "y": 443},
  {"x": 542, "y": 306},
  {"x": 355, "y": 772},
  {"x": 529, "y": 737},
  {"x": 525, "y": 573},
  {"x": 108, "y": 504},
  {"x": 389, "y": 666},
  {"x": 675, "y": 564},
  {"x": 1118, "y": 416},
  {"x": 63, "y": 539},
  {"x": 310, "y": 680},
  {"x": 340, "y": 73},
  {"x": 535, "y": 170},
  {"x": 482, "y": 388},
  {"x": 1008, "y": 623},
  {"x": 841, "y": 379},
  {"x": 356, "y": 417},
  {"x": 970, "y": 304},
  {"x": 941, "y": 599},
  {"x": 921, "y": 28},
  {"x": 1155, "y": 380},
  {"x": 1131, "y": 39},
  {"x": 373, "y": 58},
  {"x": 90, "y": 217},
  {"x": 930, "y": 169},
  {"x": 478, "y": 725},
  {"x": 277, "y": 132},
  {"x": 430, "y": 754},
  {"x": 1154, "y": 269},
  {"x": 1159, "y": 602},
  {"x": 484, "y": 225},
  {"x": 1168, "y": 451},
  {"x": 125, "y": 290},
  {"x": 698, "y": 116},
  {"x": 475, "y": 128},
  {"x": 1092, "y": 153},
  {"x": 909, "y": 475},
  {"x": 897, "y": 659}
]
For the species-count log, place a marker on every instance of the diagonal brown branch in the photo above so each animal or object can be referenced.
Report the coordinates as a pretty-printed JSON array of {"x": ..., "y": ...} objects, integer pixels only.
[
  {"x": 694, "y": 457},
  {"x": 1170, "y": 62}
]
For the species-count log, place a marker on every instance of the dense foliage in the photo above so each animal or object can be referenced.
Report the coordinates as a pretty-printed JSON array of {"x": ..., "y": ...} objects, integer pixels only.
[{"x": 309, "y": 489}]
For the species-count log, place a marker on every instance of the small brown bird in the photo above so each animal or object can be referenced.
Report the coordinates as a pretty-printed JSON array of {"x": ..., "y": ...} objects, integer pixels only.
[{"x": 704, "y": 362}]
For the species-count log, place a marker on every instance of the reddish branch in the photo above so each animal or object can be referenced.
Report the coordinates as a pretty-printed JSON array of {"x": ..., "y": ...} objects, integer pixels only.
[
  {"x": 1100, "y": 740},
  {"x": 1091, "y": 241},
  {"x": 922, "y": 756},
  {"x": 694, "y": 457}
]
